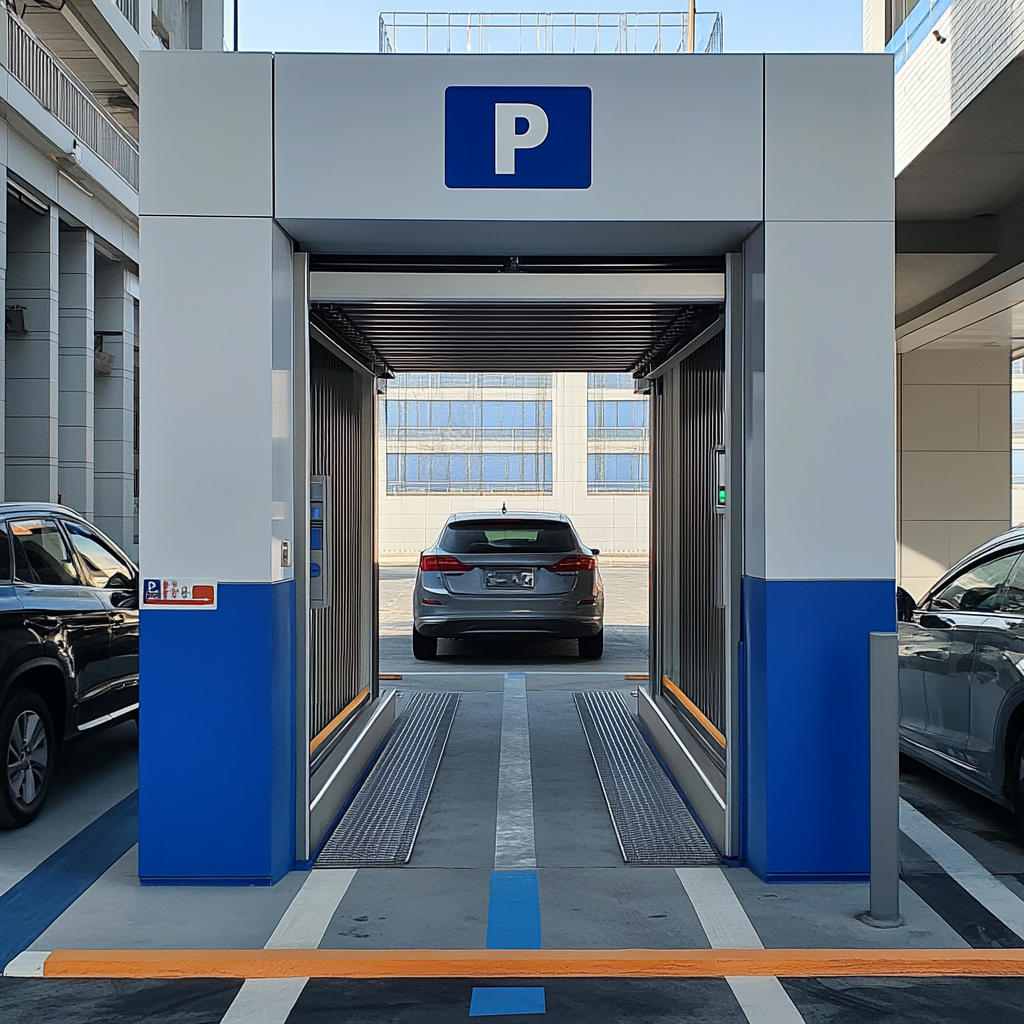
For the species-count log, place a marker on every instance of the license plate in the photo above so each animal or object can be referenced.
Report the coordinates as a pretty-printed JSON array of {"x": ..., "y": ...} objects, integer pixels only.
[{"x": 510, "y": 579}]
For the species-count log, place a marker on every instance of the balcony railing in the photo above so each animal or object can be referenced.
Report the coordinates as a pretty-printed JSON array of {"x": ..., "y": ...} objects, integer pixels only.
[
  {"x": 57, "y": 89},
  {"x": 130, "y": 9},
  {"x": 917, "y": 26},
  {"x": 552, "y": 32}
]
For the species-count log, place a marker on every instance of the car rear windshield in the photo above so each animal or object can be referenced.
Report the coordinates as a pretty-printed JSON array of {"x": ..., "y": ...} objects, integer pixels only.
[{"x": 498, "y": 536}]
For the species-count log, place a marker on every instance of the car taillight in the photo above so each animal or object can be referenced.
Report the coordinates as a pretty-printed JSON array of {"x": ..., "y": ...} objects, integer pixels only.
[
  {"x": 573, "y": 563},
  {"x": 442, "y": 563}
]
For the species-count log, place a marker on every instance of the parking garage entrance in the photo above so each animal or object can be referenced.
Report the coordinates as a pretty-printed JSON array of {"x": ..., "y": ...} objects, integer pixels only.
[
  {"x": 663, "y": 321},
  {"x": 719, "y": 226}
]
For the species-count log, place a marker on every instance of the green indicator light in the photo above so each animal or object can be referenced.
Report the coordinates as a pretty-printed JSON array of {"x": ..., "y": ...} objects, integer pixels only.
[{"x": 721, "y": 495}]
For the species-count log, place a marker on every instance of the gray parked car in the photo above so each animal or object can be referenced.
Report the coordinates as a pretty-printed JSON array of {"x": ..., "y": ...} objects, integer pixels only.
[
  {"x": 497, "y": 572},
  {"x": 962, "y": 673}
]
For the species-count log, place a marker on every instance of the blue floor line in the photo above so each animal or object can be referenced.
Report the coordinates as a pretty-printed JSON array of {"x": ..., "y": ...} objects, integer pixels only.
[
  {"x": 513, "y": 922},
  {"x": 500, "y": 1002},
  {"x": 513, "y": 911},
  {"x": 30, "y": 906}
]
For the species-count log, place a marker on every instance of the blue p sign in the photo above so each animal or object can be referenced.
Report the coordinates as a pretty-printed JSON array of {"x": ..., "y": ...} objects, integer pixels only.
[{"x": 517, "y": 136}]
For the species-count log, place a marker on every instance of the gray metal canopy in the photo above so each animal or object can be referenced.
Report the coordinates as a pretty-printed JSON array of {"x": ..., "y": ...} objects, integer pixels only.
[{"x": 513, "y": 322}]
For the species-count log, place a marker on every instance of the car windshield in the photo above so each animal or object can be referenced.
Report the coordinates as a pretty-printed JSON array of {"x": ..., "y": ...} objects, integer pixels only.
[{"x": 497, "y": 536}]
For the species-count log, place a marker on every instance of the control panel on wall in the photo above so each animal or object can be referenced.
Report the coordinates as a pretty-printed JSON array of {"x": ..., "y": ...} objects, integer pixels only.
[{"x": 319, "y": 541}]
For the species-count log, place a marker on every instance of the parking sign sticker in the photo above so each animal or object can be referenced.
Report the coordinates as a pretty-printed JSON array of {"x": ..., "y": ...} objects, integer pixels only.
[
  {"x": 517, "y": 137},
  {"x": 179, "y": 593}
]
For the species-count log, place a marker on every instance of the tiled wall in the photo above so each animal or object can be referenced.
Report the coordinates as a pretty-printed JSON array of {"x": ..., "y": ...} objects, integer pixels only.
[
  {"x": 954, "y": 457},
  {"x": 981, "y": 38}
]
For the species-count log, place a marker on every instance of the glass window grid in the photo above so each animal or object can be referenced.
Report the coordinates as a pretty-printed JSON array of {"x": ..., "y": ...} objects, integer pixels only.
[
  {"x": 485, "y": 418},
  {"x": 618, "y": 471},
  {"x": 470, "y": 380},
  {"x": 425, "y": 473},
  {"x": 628, "y": 419}
]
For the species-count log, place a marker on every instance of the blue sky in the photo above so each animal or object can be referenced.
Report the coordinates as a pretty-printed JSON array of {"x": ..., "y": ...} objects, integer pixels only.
[{"x": 750, "y": 25}]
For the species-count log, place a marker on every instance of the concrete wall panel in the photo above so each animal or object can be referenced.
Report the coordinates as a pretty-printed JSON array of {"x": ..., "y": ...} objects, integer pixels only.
[
  {"x": 827, "y": 153},
  {"x": 206, "y": 398},
  {"x": 829, "y": 401},
  {"x": 657, "y": 121},
  {"x": 206, "y": 134}
]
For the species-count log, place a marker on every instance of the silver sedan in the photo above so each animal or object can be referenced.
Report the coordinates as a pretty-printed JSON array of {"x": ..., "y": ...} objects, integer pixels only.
[
  {"x": 962, "y": 672},
  {"x": 498, "y": 572}
]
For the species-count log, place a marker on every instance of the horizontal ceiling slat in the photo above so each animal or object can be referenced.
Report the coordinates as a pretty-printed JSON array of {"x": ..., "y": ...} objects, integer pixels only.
[{"x": 413, "y": 336}]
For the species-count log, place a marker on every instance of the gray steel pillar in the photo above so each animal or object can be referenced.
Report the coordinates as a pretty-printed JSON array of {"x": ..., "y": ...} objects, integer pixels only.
[
  {"x": 32, "y": 355},
  {"x": 115, "y": 405},
  {"x": 76, "y": 372},
  {"x": 885, "y": 782}
]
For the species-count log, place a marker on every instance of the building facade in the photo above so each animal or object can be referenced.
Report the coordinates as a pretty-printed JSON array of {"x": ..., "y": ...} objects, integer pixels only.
[
  {"x": 959, "y": 86},
  {"x": 69, "y": 146},
  {"x": 571, "y": 442}
]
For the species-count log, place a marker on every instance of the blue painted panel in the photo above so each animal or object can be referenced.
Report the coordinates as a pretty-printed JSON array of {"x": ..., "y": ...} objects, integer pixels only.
[
  {"x": 513, "y": 911},
  {"x": 807, "y": 740},
  {"x": 217, "y": 739},
  {"x": 500, "y": 1002}
]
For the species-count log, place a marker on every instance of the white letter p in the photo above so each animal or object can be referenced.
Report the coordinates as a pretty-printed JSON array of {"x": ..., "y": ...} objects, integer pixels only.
[{"x": 506, "y": 141}]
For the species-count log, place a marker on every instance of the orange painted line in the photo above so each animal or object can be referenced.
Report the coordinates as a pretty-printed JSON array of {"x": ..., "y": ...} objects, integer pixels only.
[
  {"x": 536, "y": 963},
  {"x": 716, "y": 734},
  {"x": 390, "y": 675},
  {"x": 645, "y": 676},
  {"x": 347, "y": 710}
]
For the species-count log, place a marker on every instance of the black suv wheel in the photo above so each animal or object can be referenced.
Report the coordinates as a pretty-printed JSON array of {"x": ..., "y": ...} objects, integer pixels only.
[
  {"x": 592, "y": 647},
  {"x": 27, "y": 743},
  {"x": 424, "y": 648}
]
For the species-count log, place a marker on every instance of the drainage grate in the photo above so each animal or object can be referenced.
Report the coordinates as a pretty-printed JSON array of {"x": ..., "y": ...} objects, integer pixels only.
[
  {"x": 652, "y": 823},
  {"x": 379, "y": 828}
]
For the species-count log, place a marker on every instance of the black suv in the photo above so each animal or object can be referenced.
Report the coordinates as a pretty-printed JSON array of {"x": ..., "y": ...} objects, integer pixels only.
[{"x": 69, "y": 644}]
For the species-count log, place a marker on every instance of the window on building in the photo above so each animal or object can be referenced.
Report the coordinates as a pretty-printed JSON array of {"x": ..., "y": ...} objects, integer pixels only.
[
  {"x": 618, "y": 471},
  {"x": 484, "y": 418},
  {"x": 617, "y": 419},
  {"x": 471, "y": 380},
  {"x": 611, "y": 381},
  {"x": 424, "y": 473}
]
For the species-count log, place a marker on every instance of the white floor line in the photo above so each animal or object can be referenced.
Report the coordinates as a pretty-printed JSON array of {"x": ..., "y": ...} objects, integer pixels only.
[
  {"x": 270, "y": 1000},
  {"x": 725, "y": 923},
  {"x": 513, "y": 835},
  {"x": 964, "y": 869}
]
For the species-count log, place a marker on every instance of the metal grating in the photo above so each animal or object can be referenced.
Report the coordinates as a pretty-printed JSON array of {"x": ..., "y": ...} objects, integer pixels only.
[
  {"x": 380, "y": 826},
  {"x": 651, "y": 822}
]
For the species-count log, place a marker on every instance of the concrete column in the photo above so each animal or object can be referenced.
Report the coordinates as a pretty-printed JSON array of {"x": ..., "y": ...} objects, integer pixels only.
[
  {"x": 569, "y": 442},
  {"x": 216, "y": 343},
  {"x": 954, "y": 458},
  {"x": 76, "y": 372},
  {"x": 115, "y": 406},
  {"x": 32, "y": 356},
  {"x": 819, "y": 462}
]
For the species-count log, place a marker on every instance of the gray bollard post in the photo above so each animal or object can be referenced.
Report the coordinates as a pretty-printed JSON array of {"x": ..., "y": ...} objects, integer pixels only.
[{"x": 885, "y": 782}]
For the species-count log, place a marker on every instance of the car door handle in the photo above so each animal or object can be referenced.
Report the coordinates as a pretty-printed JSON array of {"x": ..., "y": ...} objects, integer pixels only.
[
  {"x": 117, "y": 618},
  {"x": 43, "y": 621}
]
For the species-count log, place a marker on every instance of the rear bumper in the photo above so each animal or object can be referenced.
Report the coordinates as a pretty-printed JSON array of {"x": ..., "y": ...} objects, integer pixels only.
[{"x": 455, "y": 627}]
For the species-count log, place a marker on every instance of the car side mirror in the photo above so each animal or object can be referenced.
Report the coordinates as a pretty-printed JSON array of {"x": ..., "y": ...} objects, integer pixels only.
[
  {"x": 905, "y": 605},
  {"x": 120, "y": 582},
  {"x": 595, "y": 551}
]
